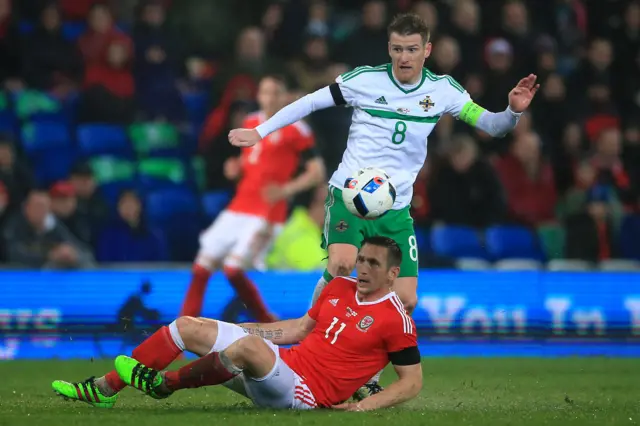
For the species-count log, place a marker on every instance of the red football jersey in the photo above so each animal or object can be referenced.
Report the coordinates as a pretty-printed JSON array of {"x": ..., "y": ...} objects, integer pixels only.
[
  {"x": 350, "y": 342},
  {"x": 273, "y": 160}
]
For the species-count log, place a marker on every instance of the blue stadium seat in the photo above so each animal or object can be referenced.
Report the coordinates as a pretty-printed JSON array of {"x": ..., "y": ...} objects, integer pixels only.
[
  {"x": 196, "y": 104},
  {"x": 8, "y": 122},
  {"x": 52, "y": 165},
  {"x": 48, "y": 146},
  {"x": 26, "y": 27},
  {"x": 177, "y": 212},
  {"x": 423, "y": 240},
  {"x": 456, "y": 241},
  {"x": 103, "y": 139},
  {"x": 512, "y": 242},
  {"x": 630, "y": 237},
  {"x": 163, "y": 206},
  {"x": 73, "y": 30},
  {"x": 214, "y": 202},
  {"x": 45, "y": 136}
]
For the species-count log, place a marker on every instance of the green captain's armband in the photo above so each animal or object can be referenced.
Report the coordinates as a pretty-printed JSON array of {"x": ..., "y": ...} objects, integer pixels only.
[{"x": 471, "y": 112}]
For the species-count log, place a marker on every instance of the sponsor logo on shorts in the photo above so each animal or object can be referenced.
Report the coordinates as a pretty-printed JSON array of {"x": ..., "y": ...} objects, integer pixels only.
[
  {"x": 342, "y": 226},
  {"x": 365, "y": 322}
]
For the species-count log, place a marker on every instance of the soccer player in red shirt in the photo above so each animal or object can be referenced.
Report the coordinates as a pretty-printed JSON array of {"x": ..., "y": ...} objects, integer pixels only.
[
  {"x": 242, "y": 234},
  {"x": 356, "y": 327}
]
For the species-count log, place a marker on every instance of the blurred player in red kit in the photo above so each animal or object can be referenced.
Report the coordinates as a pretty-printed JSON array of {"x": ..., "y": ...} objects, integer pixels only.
[
  {"x": 241, "y": 235},
  {"x": 355, "y": 328}
]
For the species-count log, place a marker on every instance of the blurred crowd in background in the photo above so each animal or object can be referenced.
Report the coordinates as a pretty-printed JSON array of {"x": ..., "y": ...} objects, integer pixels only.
[{"x": 114, "y": 119}]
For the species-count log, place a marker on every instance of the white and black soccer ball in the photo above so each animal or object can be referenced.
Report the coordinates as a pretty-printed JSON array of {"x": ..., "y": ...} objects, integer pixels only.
[{"x": 369, "y": 193}]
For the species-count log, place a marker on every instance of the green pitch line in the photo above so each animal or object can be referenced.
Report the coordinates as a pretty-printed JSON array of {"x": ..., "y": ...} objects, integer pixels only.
[{"x": 460, "y": 392}]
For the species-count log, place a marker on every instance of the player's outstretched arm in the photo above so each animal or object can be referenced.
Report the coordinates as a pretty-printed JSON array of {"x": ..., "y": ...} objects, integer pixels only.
[
  {"x": 287, "y": 332},
  {"x": 295, "y": 111},
  {"x": 408, "y": 386},
  {"x": 498, "y": 124}
]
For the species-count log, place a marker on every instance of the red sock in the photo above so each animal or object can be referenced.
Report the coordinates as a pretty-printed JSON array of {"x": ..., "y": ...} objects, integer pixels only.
[
  {"x": 205, "y": 371},
  {"x": 157, "y": 352},
  {"x": 192, "y": 306},
  {"x": 248, "y": 293}
]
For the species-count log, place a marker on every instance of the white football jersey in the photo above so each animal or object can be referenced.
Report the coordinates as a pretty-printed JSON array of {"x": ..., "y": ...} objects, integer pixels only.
[{"x": 391, "y": 123}]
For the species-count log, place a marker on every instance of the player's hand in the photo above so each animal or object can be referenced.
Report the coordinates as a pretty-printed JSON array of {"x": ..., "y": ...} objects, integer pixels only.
[
  {"x": 244, "y": 137},
  {"x": 521, "y": 96},
  {"x": 348, "y": 406},
  {"x": 274, "y": 193}
]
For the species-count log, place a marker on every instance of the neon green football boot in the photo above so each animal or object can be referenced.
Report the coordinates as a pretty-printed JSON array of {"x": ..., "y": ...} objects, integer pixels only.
[
  {"x": 139, "y": 376},
  {"x": 86, "y": 391}
]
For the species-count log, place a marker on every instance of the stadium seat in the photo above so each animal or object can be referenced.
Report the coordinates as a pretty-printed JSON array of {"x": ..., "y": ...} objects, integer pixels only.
[
  {"x": 552, "y": 239},
  {"x": 73, "y": 30},
  {"x": 456, "y": 241},
  {"x": 163, "y": 206},
  {"x": 156, "y": 173},
  {"x": 512, "y": 242},
  {"x": 619, "y": 265},
  {"x": 423, "y": 240},
  {"x": 199, "y": 172},
  {"x": 152, "y": 139},
  {"x": 8, "y": 122},
  {"x": 28, "y": 103},
  {"x": 103, "y": 139},
  {"x": 214, "y": 202},
  {"x": 107, "y": 169},
  {"x": 569, "y": 265},
  {"x": 196, "y": 104},
  {"x": 517, "y": 265},
  {"x": 45, "y": 136},
  {"x": 49, "y": 149},
  {"x": 472, "y": 264},
  {"x": 53, "y": 165},
  {"x": 630, "y": 237},
  {"x": 26, "y": 27},
  {"x": 177, "y": 212}
]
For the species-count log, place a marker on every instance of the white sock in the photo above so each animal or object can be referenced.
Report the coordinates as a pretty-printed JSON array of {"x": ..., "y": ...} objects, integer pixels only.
[
  {"x": 376, "y": 378},
  {"x": 322, "y": 283},
  {"x": 175, "y": 335}
]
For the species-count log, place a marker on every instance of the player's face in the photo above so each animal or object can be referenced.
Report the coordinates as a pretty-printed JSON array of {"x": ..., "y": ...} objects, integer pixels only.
[
  {"x": 271, "y": 96},
  {"x": 374, "y": 275},
  {"x": 408, "y": 53}
]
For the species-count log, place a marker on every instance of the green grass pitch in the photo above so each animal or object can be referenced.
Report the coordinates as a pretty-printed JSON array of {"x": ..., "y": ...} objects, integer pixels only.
[{"x": 457, "y": 391}]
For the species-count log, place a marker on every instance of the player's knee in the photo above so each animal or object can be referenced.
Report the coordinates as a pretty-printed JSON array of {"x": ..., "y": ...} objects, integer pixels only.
[
  {"x": 249, "y": 347},
  {"x": 231, "y": 272},
  {"x": 206, "y": 262},
  {"x": 192, "y": 332},
  {"x": 341, "y": 267}
]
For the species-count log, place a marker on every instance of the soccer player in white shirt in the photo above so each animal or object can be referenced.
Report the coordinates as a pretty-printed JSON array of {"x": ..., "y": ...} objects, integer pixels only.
[{"x": 396, "y": 106}]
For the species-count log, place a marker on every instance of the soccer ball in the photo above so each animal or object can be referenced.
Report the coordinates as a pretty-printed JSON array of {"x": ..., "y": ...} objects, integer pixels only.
[{"x": 369, "y": 193}]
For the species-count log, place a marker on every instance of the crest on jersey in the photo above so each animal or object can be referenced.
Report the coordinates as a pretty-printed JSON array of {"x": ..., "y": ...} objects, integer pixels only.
[
  {"x": 427, "y": 103},
  {"x": 365, "y": 322},
  {"x": 342, "y": 226}
]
